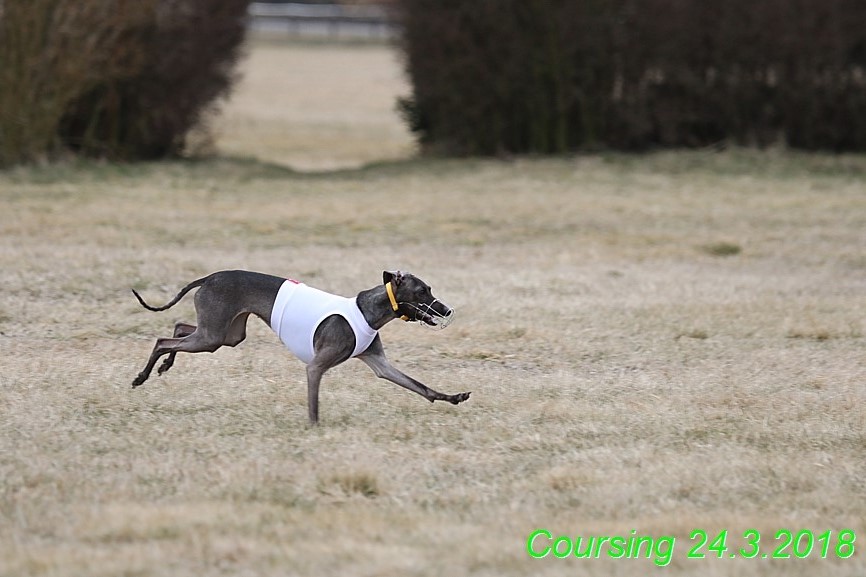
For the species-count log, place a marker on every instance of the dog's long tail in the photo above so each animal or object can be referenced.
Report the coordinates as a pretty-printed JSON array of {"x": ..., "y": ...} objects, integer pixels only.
[{"x": 176, "y": 299}]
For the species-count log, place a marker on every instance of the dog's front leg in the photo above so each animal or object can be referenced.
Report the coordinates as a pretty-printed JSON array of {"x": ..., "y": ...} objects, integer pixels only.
[
  {"x": 314, "y": 378},
  {"x": 324, "y": 360},
  {"x": 375, "y": 358},
  {"x": 333, "y": 343}
]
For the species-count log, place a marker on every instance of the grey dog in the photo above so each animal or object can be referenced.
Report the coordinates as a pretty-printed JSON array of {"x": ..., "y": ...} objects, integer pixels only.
[{"x": 226, "y": 299}]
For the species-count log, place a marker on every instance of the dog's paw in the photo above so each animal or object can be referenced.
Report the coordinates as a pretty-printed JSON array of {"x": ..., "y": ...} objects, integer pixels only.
[{"x": 459, "y": 398}]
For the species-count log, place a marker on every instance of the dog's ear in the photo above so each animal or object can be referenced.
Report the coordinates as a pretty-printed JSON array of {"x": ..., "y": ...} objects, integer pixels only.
[{"x": 396, "y": 277}]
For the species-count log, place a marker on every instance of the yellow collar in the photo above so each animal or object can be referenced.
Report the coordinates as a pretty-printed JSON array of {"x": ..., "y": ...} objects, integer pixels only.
[{"x": 391, "y": 298}]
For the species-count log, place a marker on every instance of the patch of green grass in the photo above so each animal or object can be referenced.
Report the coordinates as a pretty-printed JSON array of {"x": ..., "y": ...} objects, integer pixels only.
[{"x": 722, "y": 249}]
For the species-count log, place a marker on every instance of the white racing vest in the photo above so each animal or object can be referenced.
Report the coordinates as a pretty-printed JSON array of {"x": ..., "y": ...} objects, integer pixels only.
[{"x": 300, "y": 309}]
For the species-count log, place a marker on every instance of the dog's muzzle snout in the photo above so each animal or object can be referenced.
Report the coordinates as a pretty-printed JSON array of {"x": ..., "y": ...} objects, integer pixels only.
[{"x": 430, "y": 317}]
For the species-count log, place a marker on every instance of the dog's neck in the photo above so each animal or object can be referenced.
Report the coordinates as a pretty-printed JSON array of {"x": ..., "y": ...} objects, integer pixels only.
[{"x": 375, "y": 306}]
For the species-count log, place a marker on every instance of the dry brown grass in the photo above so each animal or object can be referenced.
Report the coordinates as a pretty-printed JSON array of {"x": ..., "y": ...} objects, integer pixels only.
[
  {"x": 623, "y": 375},
  {"x": 317, "y": 107}
]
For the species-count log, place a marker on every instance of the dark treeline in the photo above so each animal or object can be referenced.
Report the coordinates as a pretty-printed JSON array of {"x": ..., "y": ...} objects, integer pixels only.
[{"x": 548, "y": 76}]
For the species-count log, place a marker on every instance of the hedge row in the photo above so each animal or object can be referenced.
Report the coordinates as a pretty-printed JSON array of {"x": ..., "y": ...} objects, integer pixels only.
[
  {"x": 548, "y": 76},
  {"x": 123, "y": 79}
]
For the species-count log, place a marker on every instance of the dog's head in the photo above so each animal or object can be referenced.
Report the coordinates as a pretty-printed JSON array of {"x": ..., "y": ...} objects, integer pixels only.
[{"x": 412, "y": 300}]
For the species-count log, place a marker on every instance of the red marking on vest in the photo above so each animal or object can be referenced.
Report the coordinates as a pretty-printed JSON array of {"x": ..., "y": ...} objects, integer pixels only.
[{"x": 293, "y": 280}]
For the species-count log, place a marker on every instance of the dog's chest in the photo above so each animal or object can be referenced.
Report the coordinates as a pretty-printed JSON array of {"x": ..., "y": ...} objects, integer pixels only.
[{"x": 299, "y": 310}]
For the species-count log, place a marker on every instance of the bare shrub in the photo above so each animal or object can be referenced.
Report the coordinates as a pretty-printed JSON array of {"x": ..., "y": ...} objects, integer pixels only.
[
  {"x": 49, "y": 55},
  {"x": 112, "y": 78}
]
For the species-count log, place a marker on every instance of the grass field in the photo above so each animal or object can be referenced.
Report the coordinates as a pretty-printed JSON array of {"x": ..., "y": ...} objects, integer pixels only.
[{"x": 657, "y": 343}]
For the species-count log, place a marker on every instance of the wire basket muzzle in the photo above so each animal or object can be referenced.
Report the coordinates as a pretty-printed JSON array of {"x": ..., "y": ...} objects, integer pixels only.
[{"x": 427, "y": 315}]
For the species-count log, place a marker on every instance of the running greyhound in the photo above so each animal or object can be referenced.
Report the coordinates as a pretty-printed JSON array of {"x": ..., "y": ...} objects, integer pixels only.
[{"x": 322, "y": 329}]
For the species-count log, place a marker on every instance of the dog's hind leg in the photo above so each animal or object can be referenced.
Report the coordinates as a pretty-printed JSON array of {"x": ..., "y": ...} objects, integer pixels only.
[
  {"x": 375, "y": 358},
  {"x": 234, "y": 336},
  {"x": 180, "y": 330},
  {"x": 197, "y": 342},
  {"x": 237, "y": 330}
]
